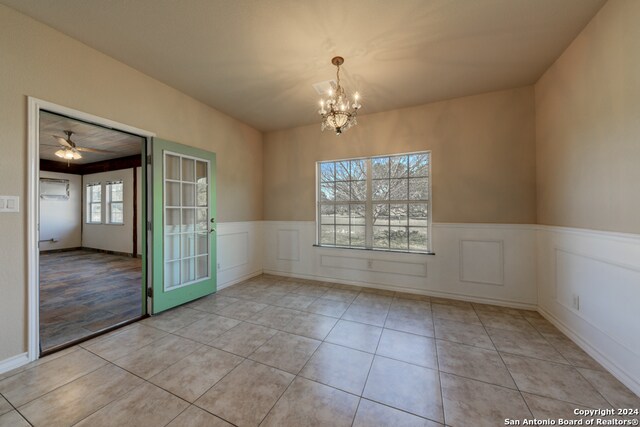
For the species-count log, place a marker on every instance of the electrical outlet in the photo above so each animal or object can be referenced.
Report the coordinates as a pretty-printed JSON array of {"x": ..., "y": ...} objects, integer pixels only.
[
  {"x": 369, "y": 263},
  {"x": 575, "y": 302}
]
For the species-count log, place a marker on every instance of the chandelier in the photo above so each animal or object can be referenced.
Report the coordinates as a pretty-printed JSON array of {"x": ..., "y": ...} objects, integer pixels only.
[{"x": 338, "y": 114}]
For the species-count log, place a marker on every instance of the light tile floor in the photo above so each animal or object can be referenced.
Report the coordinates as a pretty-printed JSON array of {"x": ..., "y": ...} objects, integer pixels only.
[{"x": 274, "y": 351}]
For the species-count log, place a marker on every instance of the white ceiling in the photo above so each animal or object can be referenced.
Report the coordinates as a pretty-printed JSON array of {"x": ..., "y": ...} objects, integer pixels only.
[
  {"x": 86, "y": 135},
  {"x": 256, "y": 60}
]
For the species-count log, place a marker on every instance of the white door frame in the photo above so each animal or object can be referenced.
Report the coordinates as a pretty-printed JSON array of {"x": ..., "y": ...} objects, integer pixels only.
[{"x": 33, "y": 202}]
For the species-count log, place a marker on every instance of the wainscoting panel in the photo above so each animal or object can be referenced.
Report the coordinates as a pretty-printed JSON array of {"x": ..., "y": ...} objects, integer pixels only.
[
  {"x": 589, "y": 286},
  {"x": 239, "y": 251},
  {"x": 479, "y": 262},
  {"x": 482, "y": 261}
]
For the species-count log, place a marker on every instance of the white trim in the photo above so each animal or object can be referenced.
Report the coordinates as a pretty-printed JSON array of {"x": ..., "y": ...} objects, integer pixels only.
[
  {"x": 239, "y": 279},
  {"x": 14, "y": 362},
  {"x": 33, "y": 205},
  {"x": 610, "y": 235},
  {"x": 592, "y": 351},
  {"x": 454, "y": 296}
]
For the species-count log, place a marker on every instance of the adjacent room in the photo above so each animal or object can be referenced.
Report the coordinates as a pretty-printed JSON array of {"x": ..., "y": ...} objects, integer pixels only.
[
  {"x": 320, "y": 213},
  {"x": 90, "y": 237}
]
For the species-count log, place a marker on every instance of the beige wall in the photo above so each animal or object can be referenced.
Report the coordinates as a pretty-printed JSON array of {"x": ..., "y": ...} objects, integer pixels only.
[
  {"x": 483, "y": 157},
  {"x": 588, "y": 126},
  {"x": 41, "y": 62}
]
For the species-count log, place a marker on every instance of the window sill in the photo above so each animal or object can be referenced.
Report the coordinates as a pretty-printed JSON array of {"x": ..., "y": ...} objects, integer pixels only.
[{"x": 373, "y": 250}]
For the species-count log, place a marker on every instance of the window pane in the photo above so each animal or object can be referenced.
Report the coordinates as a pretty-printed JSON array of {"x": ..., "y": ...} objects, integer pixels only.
[
  {"x": 419, "y": 165},
  {"x": 95, "y": 193},
  {"x": 327, "y": 192},
  {"x": 95, "y": 208},
  {"x": 327, "y": 214},
  {"x": 95, "y": 217},
  {"x": 418, "y": 239},
  {"x": 342, "y": 214},
  {"x": 342, "y": 171},
  {"x": 172, "y": 274},
  {"x": 380, "y": 167},
  {"x": 359, "y": 190},
  {"x": 342, "y": 191},
  {"x": 116, "y": 192},
  {"x": 419, "y": 189},
  {"x": 357, "y": 214},
  {"x": 202, "y": 266},
  {"x": 381, "y": 237},
  {"x": 399, "y": 189},
  {"x": 418, "y": 215},
  {"x": 381, "y": 215},
  {"x": 202, "y": 243},
  {"x": 398, "y": 238},
  {"x": 398, "y": 214},
  {"x": 399, "y": 166},
  {"x": 202, "y": 220},
  {"x": 327, "y": 235},
  {"x": 327, "y": 172},
  {"x": 358, "y": 170},
  {"x": 357, "y": 236},
  {"x": 342, "y": 235},
  {"x": 380, "y": 189},
  {"x": 116, "y": 213}
]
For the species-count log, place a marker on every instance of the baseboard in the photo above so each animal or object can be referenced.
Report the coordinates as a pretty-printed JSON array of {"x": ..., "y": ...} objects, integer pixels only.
[
  {"x": 459, "y": 297},
  {"x": 239, "y": 279},
  {"x": 592, "y": 351},
  {"x": 14, "y": 362}
]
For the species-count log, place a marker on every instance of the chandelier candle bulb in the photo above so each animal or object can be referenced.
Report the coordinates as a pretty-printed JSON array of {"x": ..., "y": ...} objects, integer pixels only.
[{"x": 340, "y": 113}]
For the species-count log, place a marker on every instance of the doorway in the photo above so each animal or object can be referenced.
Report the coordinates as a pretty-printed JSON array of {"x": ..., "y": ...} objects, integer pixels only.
[{"x": 90, "y": 247}]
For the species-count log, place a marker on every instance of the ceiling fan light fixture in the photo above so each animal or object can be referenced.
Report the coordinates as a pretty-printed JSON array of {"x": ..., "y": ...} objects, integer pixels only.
[{"x": 338, "y": 113}]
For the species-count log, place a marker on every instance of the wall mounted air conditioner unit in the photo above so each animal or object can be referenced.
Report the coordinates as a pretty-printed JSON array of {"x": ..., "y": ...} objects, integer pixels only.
[{"x": 54, "y": 188}]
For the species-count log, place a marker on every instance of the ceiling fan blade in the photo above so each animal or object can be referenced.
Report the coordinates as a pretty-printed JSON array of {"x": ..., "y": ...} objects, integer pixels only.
[
  {"x": 62, "y": 141},
  {"x": 93, "y": 150}
]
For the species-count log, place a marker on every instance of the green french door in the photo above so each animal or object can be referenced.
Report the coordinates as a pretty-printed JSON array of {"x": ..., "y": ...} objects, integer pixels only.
[{"x": 183, "y": 224}]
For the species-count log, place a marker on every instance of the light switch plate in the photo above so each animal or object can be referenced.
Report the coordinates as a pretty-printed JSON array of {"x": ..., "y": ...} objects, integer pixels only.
[{"x": 9, "y": 204}]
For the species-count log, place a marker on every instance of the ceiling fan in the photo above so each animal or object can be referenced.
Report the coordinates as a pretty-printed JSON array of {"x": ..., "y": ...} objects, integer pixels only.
[{"x": 70, "y": 151}]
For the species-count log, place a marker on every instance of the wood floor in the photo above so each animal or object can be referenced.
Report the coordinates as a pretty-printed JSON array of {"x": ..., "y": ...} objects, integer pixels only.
[{"x": 83, "y": 292}]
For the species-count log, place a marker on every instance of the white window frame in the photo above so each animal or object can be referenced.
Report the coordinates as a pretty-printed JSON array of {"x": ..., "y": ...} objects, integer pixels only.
[
  {"x": 109, "y": 202},
  {"x": 369, "y": 202},
  {"x": 90, "y": 203}
]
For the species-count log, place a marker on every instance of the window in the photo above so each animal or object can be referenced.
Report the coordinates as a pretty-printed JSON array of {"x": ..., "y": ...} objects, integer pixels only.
[
  {"x": 94, "y": 203},
  {"x": 376, "y": 203},
  {"x": 115, "y": 202}
]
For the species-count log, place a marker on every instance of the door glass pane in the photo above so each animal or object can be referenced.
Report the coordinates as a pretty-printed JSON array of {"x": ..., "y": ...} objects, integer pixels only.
[
  {"x": 188, "y": 270},
  {"x": 188, "y": 170},
  {"x": 172, "y": 274},
  {"x": 188, "y": 195},
  {"x": 202, "y": 267},
  {"x": 202, "y": 194},
  {"x": 172, "y": 167},
  {"x": 186, "y": 233},
  {"x": 172, "y": 247},
  {"x": 203, "y": 243},
  {"x": 202, "y": 220},
  {"x": 188, "y": 245},
  {"x": 188, "y": 220},
  {"x": 172, "y": 220},
  {"x": 201, "y": 172},
  {"x": 172, "y": 194}
]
